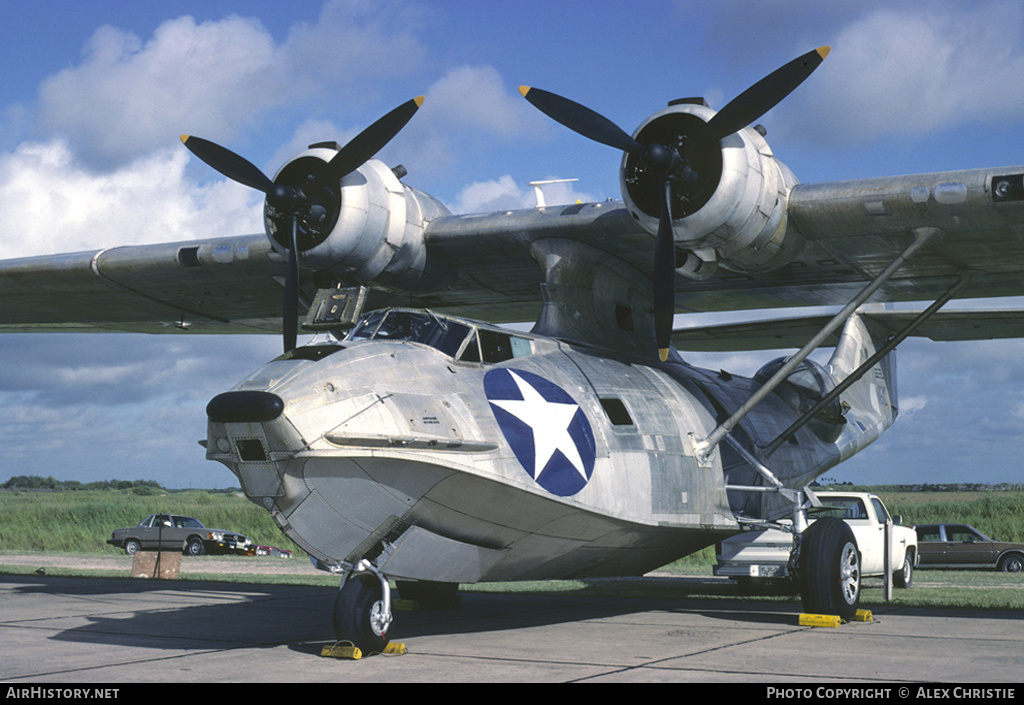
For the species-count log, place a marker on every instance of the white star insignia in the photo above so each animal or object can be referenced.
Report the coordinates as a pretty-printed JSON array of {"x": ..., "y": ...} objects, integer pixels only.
[{"x": 549, "y": 422}]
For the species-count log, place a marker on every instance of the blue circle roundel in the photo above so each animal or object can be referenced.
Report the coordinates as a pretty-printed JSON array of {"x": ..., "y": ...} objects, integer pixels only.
[{"x": 546, "y": 428}]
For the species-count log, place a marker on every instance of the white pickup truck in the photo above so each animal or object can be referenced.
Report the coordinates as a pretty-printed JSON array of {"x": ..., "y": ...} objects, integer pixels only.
[{"x": 765, "y": 557}]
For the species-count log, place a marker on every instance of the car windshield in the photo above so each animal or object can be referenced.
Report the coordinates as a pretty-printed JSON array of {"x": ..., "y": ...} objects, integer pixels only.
[{"x": 187, "y": 523}]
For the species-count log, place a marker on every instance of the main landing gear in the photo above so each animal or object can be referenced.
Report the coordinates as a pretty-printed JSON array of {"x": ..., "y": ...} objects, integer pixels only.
[
  {"x": 362, "y": 609},
  {"x": 829, "y": 569}
]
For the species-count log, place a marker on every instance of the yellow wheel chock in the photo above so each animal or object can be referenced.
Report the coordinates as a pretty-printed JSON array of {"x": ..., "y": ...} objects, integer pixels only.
[
  {"x": 347, "y": 650},
  {"x": 833, "y": 620},
  {"x": 820, "y": 620}
]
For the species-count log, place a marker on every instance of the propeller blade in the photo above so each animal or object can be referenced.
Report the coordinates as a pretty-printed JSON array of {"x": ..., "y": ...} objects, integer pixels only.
[
  {"x": 228, "y": 163},
  {"x": 367, "y": 143},
  {"x": 664, "y": 289},
  {"x": 290, "y": 315},
  {"x": 763, "y": 95},
  {"x": 580, "y": 119}
]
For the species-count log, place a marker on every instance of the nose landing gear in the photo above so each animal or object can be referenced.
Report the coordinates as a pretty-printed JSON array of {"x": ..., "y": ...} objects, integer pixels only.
[{"x": 362, "y": 609}]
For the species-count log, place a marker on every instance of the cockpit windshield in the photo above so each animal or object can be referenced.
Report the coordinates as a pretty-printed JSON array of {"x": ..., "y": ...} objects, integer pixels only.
[
  {"x": 416, "y": 326},
  {"x": 457, "y": 340}
]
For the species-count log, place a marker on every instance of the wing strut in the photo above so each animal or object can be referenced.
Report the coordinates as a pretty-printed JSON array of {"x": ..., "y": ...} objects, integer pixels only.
[
  {"x": 889, "y": 346},
  {"x": 704, "y": 448}
]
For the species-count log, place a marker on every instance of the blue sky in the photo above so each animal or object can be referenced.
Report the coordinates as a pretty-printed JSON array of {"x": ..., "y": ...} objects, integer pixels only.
[{"x": 95, "y": 95}]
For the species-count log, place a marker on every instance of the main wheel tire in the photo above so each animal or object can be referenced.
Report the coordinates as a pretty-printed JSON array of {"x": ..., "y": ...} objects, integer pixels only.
[
  {"x": 904, "y": 578},
  {"x": 357, "y": 612},
  {"x": 1012, "y": 564},
  {"x": 830, "y": 569},
  {"x": 132, "y": 546}
]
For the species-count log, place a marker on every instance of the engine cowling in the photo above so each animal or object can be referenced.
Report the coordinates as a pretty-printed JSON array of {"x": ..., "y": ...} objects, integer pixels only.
[
  {"x": 367, "y": 227},
  {"x": 735, "y": 216}
]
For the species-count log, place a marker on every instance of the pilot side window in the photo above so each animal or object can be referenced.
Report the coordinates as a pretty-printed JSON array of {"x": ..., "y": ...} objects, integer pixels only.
[{"x": 492, "y": 346}]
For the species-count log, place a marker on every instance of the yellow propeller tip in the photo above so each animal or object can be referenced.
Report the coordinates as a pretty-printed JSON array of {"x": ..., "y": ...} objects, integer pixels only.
[
  {"x": 184, "y": 138},
  {"x": 824, "y": 51},
  {"x": 419, "y": 101},
  {"x": 663, "y": 354},
  {"x": 524, "y": 90}
]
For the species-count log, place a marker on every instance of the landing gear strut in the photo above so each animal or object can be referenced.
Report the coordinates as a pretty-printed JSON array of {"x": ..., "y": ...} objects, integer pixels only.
[{"x": 362, "y": 610}]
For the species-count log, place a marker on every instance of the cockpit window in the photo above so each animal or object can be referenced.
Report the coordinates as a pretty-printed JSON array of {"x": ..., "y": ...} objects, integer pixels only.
[
  {"x": 494, "y": 346},
  {"x": 416, "y": 326},
  {"x": 452, "y": 338}
]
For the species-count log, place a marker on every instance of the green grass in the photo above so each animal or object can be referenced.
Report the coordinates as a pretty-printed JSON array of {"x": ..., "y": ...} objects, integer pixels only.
[
  {"x": 81, "y": 521},
  {"x": 998, "y": 515}
]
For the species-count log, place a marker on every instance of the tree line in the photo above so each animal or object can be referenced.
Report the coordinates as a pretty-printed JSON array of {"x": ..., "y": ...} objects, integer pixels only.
[{"x": 35, "y": 483}]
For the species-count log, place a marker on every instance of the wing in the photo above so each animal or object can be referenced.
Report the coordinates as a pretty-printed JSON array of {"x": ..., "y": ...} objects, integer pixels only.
[
  {"x": 849, "y": 231},
  {"x": 228, "y": 285}
]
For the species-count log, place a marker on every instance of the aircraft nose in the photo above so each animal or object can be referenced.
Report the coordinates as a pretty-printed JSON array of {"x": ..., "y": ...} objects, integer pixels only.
[{"x": 244, "y": 407}]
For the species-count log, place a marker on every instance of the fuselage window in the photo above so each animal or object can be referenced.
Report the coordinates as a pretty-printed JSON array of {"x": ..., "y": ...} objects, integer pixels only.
[{"x": 616, "y": 411}]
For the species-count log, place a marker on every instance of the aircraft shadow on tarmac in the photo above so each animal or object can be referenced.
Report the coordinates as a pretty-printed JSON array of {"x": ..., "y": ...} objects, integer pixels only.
[{"x": 184, "y": 615}]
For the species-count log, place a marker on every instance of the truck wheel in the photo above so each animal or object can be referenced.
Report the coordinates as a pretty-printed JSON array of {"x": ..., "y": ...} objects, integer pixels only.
[
  {"x": 830, "y": 569},
  {"x": 356, "y": 614},
  {"x": 905, "y": 578}
]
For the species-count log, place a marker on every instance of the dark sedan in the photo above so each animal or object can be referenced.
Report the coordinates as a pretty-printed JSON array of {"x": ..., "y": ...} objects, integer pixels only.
[
  {"x": 173, "y": 532},
  {"x": 963, "y": 546}
]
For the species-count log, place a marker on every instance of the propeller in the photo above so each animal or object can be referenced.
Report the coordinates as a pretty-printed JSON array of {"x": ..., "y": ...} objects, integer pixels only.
[
  {"x": 293, "y": 202},
  {"x": 672, "y": 167}
]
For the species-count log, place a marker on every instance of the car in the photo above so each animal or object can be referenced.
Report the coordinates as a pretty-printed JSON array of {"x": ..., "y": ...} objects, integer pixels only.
[
  {"x": 963, "y": 546},
  {"x": 174, "y": 532}
]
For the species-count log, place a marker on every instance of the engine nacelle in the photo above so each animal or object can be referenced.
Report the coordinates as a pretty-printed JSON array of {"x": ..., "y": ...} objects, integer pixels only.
[
  {"x": 369, "y": 227},
  {"x": 735, "y": 216}
]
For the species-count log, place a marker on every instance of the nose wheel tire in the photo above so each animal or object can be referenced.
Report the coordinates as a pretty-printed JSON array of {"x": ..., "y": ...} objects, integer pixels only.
[
  {"x": 359, "y": 614},
  {"x": 830, "y": 569}
]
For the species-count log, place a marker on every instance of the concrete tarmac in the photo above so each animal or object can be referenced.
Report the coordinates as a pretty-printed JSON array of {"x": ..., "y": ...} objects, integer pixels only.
[{"x": 105, "y": 631}]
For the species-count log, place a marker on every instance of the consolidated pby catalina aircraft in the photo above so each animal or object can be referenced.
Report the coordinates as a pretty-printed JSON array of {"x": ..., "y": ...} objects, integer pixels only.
[{"x": 411, "y": 441}]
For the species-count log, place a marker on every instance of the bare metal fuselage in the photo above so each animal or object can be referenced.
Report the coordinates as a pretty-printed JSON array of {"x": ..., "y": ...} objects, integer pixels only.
[{"x": 397, "y": 452}]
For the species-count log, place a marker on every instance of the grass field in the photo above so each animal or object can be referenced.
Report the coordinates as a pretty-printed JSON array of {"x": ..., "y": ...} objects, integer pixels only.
[
  {"x": 82, "y": 521},
  {"x": 79, "y": 522}
]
